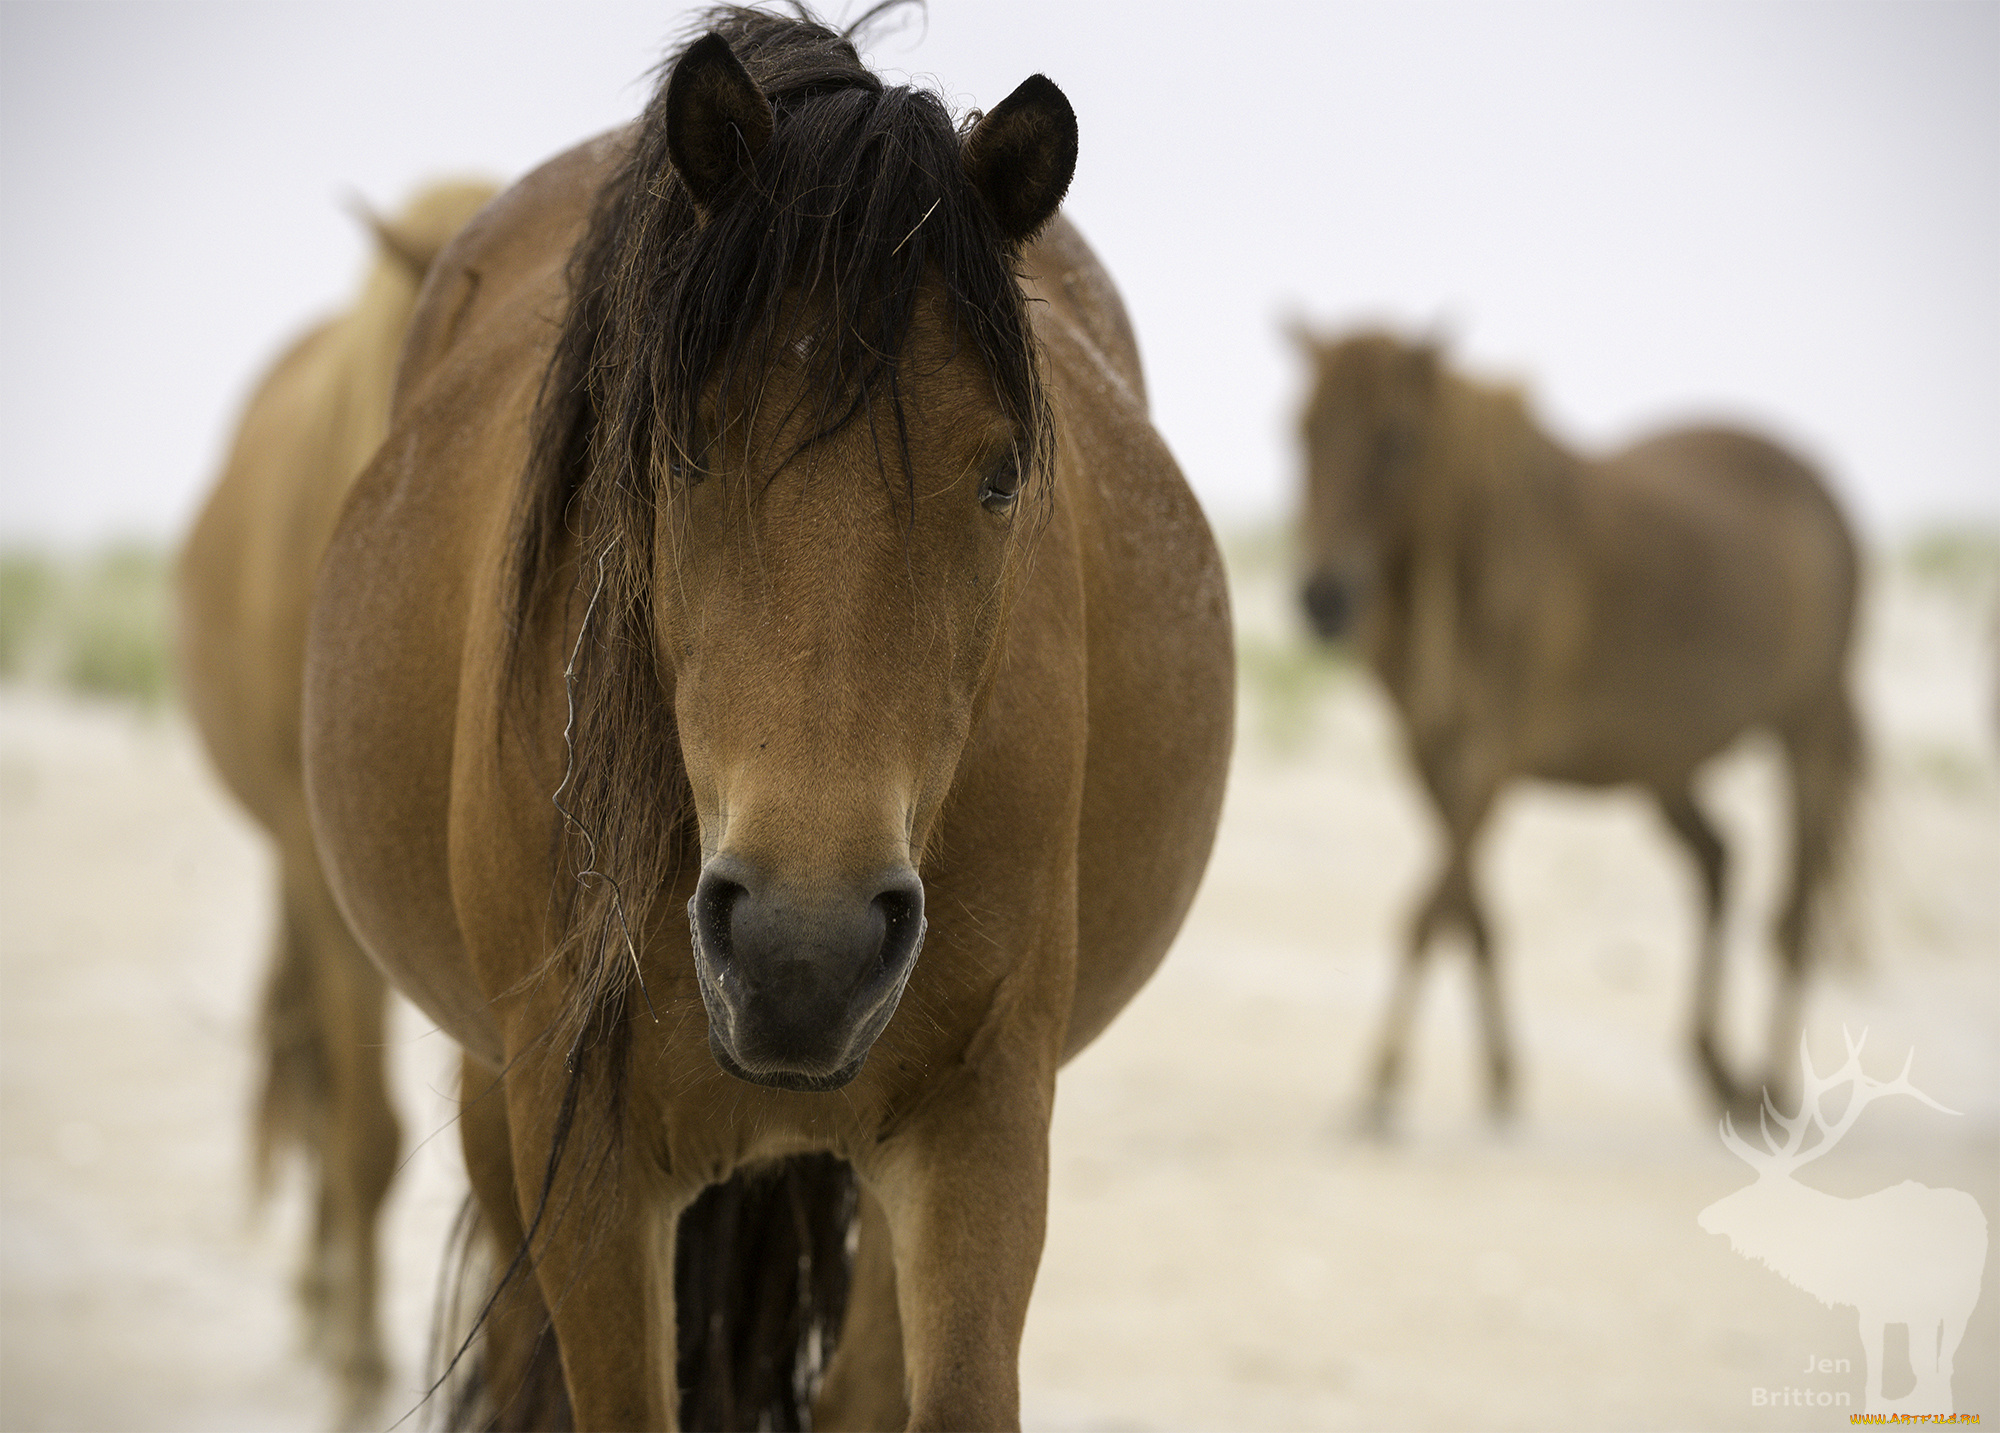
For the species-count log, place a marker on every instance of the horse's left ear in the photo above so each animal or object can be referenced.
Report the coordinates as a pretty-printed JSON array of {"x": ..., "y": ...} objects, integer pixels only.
[
  {"x": 1020, "y": 157},
  {"x": 410, "y": 253},
  {"x": 718, "y": 121}
]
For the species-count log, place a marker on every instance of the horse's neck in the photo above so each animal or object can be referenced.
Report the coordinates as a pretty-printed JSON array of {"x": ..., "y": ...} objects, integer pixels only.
[{"x": 1489, "y": 535}]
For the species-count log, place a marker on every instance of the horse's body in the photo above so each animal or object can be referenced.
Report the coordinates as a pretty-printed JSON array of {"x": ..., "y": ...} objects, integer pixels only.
[
  {"x": 1621, "y": 621},
  {"x": 245, "y": 582},
  {"x": 885, "y": 683}
]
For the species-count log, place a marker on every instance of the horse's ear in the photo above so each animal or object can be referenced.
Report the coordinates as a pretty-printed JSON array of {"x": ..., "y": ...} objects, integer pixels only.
[
  {"x": 718, "y": 121},
  {"x": 414, "y": 255},
  {"x": 1299, "y": 333},
  {"x": 1423, "y": 365},
  {"x": 1020, "y": 157}
]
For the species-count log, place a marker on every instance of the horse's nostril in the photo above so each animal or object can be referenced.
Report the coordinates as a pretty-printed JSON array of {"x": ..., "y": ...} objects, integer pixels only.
[
  {"x": 1328, "y": 603},
  {"x": 896, "y": 916},
  {"x": 712, "y": 909},
  {"x": 902, "y": 910}
]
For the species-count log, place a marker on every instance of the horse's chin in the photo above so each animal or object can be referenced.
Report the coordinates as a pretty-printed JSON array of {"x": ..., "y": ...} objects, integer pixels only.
[{"x": 799, "y": 1081}]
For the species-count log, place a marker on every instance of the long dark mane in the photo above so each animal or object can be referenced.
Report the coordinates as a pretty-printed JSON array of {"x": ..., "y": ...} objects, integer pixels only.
[{"x": 858, "y": 198}]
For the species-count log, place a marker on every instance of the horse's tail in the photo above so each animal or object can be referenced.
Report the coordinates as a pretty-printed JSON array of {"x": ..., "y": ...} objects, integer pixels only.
[
  {"x": 1829, "y": 763},
  {"x": 761, "y": 1275},
  {"x": 1848, "y": 763},
  {"x": 493, "y": 1363}
]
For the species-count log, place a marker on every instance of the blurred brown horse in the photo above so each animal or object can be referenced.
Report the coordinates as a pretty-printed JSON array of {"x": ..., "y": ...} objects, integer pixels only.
[
  {"x": 769, "y": 701},
  {"x": 244, "y": 585},
  {"x": 1613, "y": 621}
]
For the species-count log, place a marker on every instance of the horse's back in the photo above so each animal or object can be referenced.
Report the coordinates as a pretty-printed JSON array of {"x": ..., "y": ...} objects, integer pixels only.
[
  {"x": 247, "y": 569},
  {"x": 1743, "y": 479},
  {"x": 241, "y": 596},
  {"x": 1161, "y": 686},
  {"x": 1763, "y": 510},
  {"x": 1723, "y": 595}
]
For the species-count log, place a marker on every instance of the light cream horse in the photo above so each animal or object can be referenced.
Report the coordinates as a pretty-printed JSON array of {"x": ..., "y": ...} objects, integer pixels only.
[
  {"x": 244, "y": 583},
  {"x": 1605, "y": 621}
]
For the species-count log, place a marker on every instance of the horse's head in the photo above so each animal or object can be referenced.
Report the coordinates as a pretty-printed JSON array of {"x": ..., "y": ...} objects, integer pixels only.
[
  {"x": 1363, "y": 429},
  {"x": 846, "y": 497}
]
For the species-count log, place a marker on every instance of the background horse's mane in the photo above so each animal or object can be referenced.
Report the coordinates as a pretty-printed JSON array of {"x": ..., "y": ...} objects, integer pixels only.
[
  {"x": 1460, "y": 438},
  {"x": 1484, "y": 497}
]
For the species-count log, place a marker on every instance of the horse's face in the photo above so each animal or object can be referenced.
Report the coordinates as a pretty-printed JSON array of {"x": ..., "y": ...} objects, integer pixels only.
[
  {"x": 1361, "y": 430},
  {"x": 831, "y": 616},
  {"x": 832, "y": 574}
]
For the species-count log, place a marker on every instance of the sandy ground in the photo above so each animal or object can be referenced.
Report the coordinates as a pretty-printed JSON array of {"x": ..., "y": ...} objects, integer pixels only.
[{"x": 1221, "y": 1253}]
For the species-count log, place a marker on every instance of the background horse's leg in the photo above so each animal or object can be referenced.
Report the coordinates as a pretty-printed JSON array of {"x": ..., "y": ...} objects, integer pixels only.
[
  {"x": 1402, "y": 1008},
  {"x": 325, "y": 1090},
  {"x": 864, "y": 1381},
  {"x": 1923, "y": 1330},
  {"x": 1492, "y": 1013},
  {"x": 1823, "y": 749},
  {"x": 1690, "y": 823},
  {"x": 761, "y": 1284},
  {"x": 515, "y": 1378},
  {"x": 1452, "y": 901}
]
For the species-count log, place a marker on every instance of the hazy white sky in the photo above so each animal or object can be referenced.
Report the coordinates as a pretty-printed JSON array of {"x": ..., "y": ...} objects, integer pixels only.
[{"x": 1786, "y": 213}]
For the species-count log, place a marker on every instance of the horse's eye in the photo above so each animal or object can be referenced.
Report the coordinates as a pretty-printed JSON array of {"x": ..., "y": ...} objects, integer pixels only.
[{"x": 1001, "y": 485}]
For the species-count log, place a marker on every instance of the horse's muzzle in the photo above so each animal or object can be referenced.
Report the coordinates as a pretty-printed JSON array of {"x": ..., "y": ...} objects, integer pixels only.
[
  {"x": 799, "y": 986},
  {"x": 1329, "y": 602}
]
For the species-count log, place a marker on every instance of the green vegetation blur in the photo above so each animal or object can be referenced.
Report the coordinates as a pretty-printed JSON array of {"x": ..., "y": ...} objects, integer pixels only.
[{"x": 96, "y": 624}]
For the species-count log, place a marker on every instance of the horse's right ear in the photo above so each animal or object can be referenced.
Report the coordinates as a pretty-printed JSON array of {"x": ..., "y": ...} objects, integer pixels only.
[
  {"x": 1295, "y": 328},
  {"x": 718, "y": 121},
  {"x": 1021, "y": 155}
]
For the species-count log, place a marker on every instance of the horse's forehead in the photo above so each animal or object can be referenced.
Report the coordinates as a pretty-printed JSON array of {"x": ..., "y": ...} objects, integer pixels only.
[
  {"x": 944, "y": 387},
  {"x": 1360, "y": 374}
]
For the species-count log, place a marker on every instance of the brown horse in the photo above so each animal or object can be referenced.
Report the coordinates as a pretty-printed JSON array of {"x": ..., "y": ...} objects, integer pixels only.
[
  {"x": 769, "y": 702},
  {"x": 245, "y": 578},
  {"x": 1618, "y": 621}
]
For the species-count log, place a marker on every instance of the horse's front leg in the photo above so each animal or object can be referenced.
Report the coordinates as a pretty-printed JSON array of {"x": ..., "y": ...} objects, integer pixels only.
[
  {"x": 601, "y": 1234},
  {"x": 965, "y": 1189},
  {"x": 1463, "y": 778},
  {"x": 864, "y": 1380}
]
